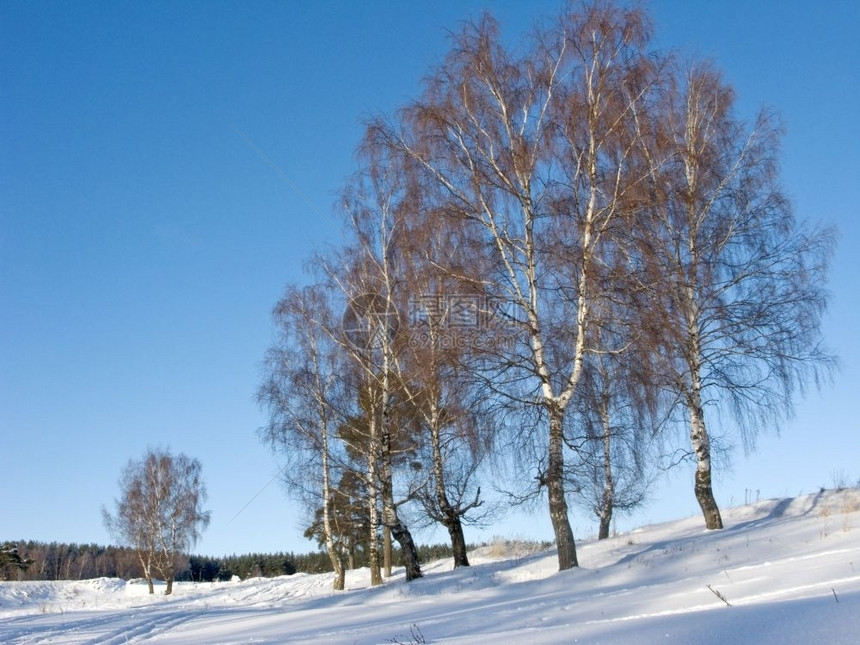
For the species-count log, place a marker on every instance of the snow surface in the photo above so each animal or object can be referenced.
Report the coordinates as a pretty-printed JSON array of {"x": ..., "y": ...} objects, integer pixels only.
[{"x": 788, "y": 571}]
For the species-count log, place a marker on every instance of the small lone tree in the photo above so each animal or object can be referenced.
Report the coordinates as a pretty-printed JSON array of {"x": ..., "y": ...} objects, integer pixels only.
[{"x": 159, "y": 512}]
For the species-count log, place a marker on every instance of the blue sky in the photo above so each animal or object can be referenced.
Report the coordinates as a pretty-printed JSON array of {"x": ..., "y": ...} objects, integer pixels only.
[{"x": 143, "y": 242}]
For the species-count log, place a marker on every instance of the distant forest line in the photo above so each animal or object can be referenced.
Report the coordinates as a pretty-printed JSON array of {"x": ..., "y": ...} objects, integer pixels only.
[{"x": 59, "y": 561}]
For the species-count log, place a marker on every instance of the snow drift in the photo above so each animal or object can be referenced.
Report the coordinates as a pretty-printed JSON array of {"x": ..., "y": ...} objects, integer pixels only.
[{"x": 782, "y": 571}]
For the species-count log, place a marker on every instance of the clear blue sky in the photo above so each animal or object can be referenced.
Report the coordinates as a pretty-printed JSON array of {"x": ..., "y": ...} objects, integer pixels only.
[{"x": 143, "y": 242}]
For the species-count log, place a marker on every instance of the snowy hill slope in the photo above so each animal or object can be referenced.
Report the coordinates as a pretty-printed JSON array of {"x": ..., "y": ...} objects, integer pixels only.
[{"x": 782, "y": 571}]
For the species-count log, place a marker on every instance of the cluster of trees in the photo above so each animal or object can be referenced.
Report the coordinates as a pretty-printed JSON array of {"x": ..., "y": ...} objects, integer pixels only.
[
  {"x": 251, "y": 565},
  {"x": 553, "y": 257},
  {"x": 29, "y": 560},
  {"x": 269, "y": 565},
  {"x": 59, "y": 561}
]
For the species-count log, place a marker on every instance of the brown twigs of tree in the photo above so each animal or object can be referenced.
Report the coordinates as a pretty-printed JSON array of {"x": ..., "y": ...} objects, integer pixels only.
[
  {"x": 159, "y": 512},
  {"x": 556, "y": 254},
  {"x": 533, "y": 155},
  {"x": 303, "y": 394},
  {"x": 736, "y": 284}
]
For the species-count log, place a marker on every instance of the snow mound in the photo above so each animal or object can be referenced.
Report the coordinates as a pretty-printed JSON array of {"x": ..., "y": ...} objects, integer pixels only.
[{"x": 782, "y": 571}]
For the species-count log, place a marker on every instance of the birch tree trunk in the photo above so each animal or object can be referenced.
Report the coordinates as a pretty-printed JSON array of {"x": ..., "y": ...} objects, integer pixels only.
[
  {"x": 333, "y": 553},
  {"x": 390, "y": 518},
  {"x": 373, "y": 507},
  {"x": 608, "y": 500},
  {"x": 398, "y": 529},
  {"x": 701, "y": 444},
  {"x": 147, "y": 572},
  {"x": 386, "y": 551},
  {"x": 558, "y": 511},
  {"x": 450, "y": 517}
]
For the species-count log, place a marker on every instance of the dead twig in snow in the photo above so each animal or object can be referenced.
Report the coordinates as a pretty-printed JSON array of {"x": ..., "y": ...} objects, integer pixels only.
[{"x": 719, "y": 595}]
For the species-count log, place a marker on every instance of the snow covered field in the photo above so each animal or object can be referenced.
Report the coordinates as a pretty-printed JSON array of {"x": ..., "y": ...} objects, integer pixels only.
[{"x": 783, "y": 571}]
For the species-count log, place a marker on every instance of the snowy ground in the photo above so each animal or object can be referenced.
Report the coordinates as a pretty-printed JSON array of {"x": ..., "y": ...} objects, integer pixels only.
[{"x": 789, "y": 569}]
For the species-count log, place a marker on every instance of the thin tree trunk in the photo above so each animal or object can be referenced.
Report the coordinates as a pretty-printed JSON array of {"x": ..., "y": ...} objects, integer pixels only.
[
  {"x": 340, "y": 576},
  {"x": 701, "y": 444},
  {"x": 147, "y": 572},
  {"x": 350, "y": 555},
  {"x": 386, "y": 551},
  {"x": 699, "y": 439},
  {"x": 458, "y": 542},
  {"x": 398, "y": 529},
  {"x": 607, "y": 501},
  {"x": 605, "y": 520},
  {"x": 555, "y": 488},
  {"x": 169, "y": 589},
  {"x": 373, "y": 515},
  {"x": 554, "y": 477},
  {"x": 390, "y": 519},
  {"x": 450, "y": 516},
  {"x": 404, "y": 539},
  {"x": 333, "y": 554}
]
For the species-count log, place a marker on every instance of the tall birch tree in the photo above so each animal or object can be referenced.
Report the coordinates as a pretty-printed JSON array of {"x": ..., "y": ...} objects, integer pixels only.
[
  {"x": 738, "y": 283},
  {"x": 446, "y": 328},
  {"x": 531, "y": 151},
  {"x": 303, "y": 393},
  {"x": 368, "y": 273}
]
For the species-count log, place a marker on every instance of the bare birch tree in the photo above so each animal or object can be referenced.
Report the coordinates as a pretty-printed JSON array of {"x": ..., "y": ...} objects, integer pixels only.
[
  {"x": 456, "y": 431},
  {"x": 160, "y": 511},
  {"x": 738, "y": 283},
  {"x": 615, "y": 415},
  {"x": 302, "y": 394},
  {"x": 367, "y": 273},
  {"x": 531, "y": 151}
]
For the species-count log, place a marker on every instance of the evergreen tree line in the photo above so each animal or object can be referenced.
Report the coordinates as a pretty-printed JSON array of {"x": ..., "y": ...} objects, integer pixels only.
[
  {"x": 269, "y": 565},
  {"x": 60, "y": 561},
  {"x": 31, "y": 560}
]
